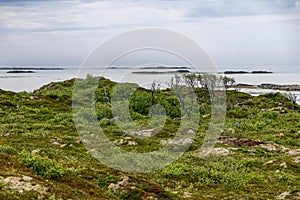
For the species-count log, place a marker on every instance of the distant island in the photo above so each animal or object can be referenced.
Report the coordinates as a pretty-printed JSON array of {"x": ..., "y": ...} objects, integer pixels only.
[
  {"x": 30, "y": 68},
  {"x": 236, "y": 72},
  {"x": 244, "y": 72},
  {"x": 164, "y": 67},
  {"x": 156, "y": 72},
  {"x": 19, "y": 72},
  {"x": 261, "y": 72}
]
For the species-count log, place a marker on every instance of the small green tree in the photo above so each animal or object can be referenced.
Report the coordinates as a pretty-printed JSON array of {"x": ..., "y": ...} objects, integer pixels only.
[
  {"x": 191, "y": 80},
  {"x": 200, "y": 81},
  {"x": 292, "y": 97},
  {"x": 228, "y": 82},
  {"x": 154, "y": 90}
]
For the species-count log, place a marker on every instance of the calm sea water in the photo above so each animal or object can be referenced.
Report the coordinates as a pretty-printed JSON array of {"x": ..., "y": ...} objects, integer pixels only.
[{"x": 31, "y": 81}]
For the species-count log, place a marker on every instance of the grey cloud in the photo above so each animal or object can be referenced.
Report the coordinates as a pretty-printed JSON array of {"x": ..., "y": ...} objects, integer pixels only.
[{"x": 234, "y": 31}]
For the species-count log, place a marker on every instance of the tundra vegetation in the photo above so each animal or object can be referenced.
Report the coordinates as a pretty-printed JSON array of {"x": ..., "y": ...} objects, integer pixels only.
[{"x": 256, "y": 157}]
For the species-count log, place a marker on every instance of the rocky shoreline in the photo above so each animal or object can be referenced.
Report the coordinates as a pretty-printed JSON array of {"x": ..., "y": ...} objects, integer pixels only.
[
  {"x": 281, "y": 87},
  {"x": 269, "y": 86}
]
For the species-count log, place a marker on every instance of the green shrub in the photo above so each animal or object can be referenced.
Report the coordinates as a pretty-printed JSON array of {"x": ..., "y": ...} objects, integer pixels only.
[
  {"x": 132, "y": 194},
  {"x": 176, "y": 170},
  {"x": 105, "y": 180},
  {"x": 106, "y": 122},
  {"x": 42, "y": 166},
  {"x": 103, "y": 110},
  {"x": 238, "y": 112},
  {"x": 171, "y": 105},
  {"x": 7, "y": 149},
  {"x": 30, "y": 135},
  {"x": 275, "y": 96},
  {"x": 140, "y": 102},
  {"x": 137, "y": 116},
  {"x": 270, "y": 114},
  {"x": 227, "y": 171}
]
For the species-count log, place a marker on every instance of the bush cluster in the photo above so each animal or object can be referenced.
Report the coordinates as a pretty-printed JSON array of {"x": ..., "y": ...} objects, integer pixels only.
[{"x": 42, "y": 166}]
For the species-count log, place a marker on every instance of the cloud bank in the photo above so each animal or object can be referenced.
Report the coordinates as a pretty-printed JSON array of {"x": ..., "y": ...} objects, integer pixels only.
[{"x": 234, "y": 32}]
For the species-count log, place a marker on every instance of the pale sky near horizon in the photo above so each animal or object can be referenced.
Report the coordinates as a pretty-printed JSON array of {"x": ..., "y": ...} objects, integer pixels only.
[{"x": 234, "y": 32}]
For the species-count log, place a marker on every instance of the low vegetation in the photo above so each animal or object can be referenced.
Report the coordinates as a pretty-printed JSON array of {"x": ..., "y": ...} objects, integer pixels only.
[{"x": 257, "y": 156}]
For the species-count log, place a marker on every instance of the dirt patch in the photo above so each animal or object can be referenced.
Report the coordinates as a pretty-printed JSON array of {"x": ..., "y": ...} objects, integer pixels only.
[
  {"x": 231, "y": 141},
  {"x": 270, "y": 146}
]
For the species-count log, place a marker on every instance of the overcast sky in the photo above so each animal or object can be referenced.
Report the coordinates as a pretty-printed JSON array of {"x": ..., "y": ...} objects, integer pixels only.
[{"x": 234, "y": 32}]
